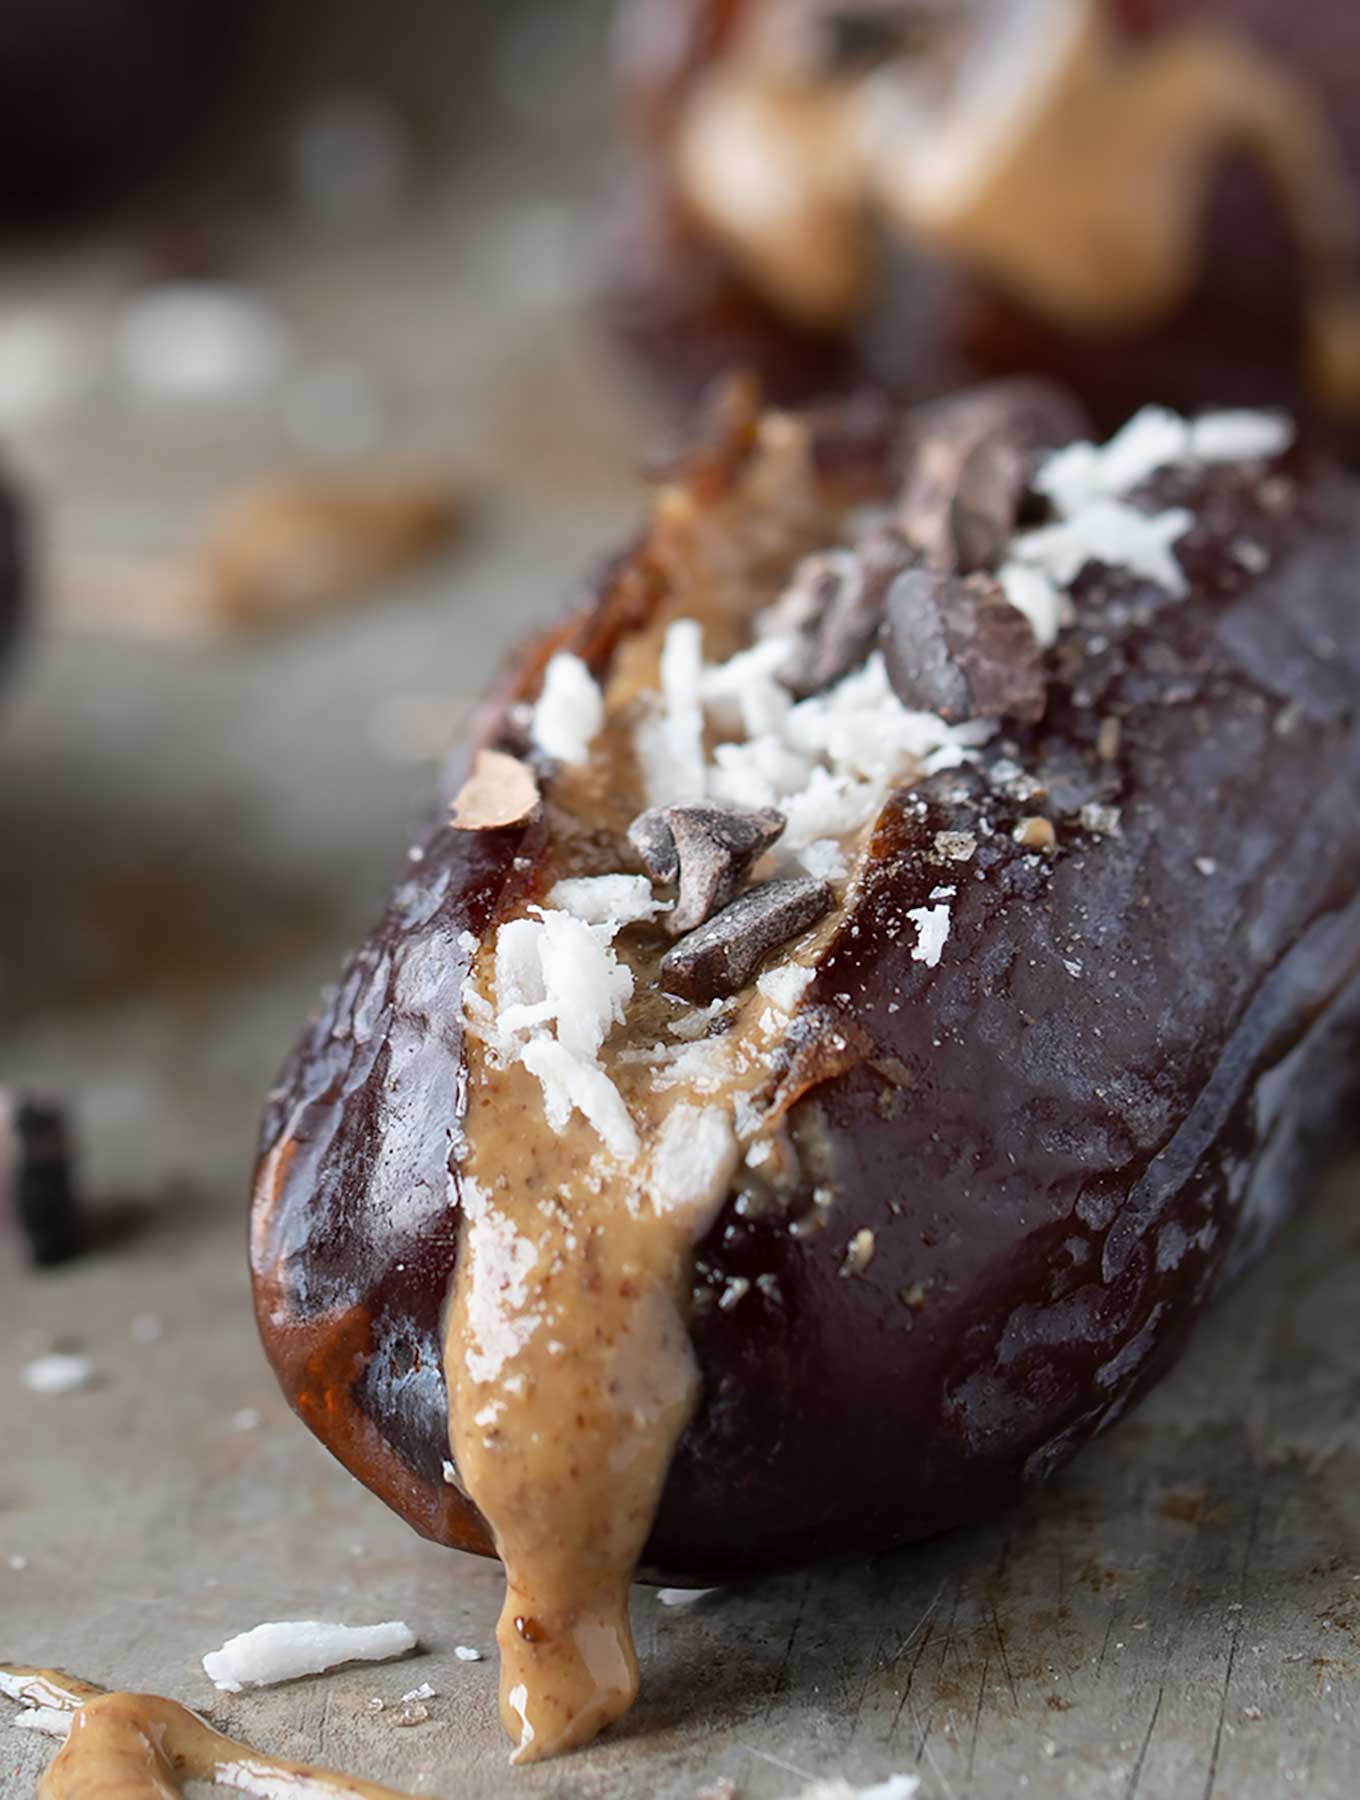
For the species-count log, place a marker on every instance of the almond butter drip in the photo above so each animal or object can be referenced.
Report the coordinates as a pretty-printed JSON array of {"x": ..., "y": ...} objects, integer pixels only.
[
  {"x": 142, "y": 1747},
  {"x": 569, "y": 1369},
  {"x": 1061, "y": 162}
]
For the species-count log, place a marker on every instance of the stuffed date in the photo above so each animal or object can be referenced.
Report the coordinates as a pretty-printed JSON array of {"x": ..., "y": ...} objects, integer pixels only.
[{"x": 888, "y": 957}]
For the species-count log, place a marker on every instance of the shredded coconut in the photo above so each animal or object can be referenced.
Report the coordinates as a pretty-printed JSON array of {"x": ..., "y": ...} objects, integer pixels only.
[
  {"x": 705, "y": 1066},
  {"x": 683, "y": 1596},
  {"x": 1075, "y": 476},
  {"x": 829, "y": 762},
  {"x": 1155, "y": 438},
  {"x": 616, "y": 900},
  {"x": 823, "y": 859},
  {"x": 743, "y": 694},
  {"x": 785, "y": 985},
  {"x": 693, "y": 1162},
  {"x": 569, "y": 711},
  {"x": 560, "y": 989},
  {"x": 54, "y": 1720},
  {"x": 571, "y": 1084},
  {"x": 896, "y": 1787},
  {"x": 1114, "y": 534},
  {"x": 671, "y": 743},
  {"x": 59, "y": 1372},
  {"x": 585, "y": 987},
  {"x": 465, "y": 1653},
  {"x": 282, "y": 1651},
  {"x": 1039, "y": 598},
  {"x": 932, "y": 933},
  {"x": 1236, "y": 434}
]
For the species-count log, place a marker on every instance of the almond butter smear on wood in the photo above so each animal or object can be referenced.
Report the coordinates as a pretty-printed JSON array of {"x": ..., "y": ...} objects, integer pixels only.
[{"x": 144, "y": 1747}]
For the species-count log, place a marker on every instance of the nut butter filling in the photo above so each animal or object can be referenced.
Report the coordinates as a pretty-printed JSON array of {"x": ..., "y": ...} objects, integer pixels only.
[
  {"x": 1064, "y": 163},
  {"x": 144, "y": 1747},
  {"x": 568, "y": 1364}
]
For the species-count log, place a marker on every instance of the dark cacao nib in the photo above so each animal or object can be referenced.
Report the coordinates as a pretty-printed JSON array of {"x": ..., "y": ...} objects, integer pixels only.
[{"x": 957, "y": 647}]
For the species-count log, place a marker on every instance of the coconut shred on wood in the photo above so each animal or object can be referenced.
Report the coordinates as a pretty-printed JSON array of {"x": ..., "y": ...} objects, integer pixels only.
[
  {"x": 706, "y": 806},
  {"x": 285, "y": 1649}
]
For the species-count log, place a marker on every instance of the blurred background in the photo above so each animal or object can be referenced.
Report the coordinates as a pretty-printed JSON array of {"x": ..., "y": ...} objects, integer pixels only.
[{"x": 251, "y": 243}]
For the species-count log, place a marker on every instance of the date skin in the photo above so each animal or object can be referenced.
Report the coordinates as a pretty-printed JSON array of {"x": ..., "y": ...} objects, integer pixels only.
[
  {"x": 1064, "y": 1138},
  {"x": 685, "y": 312}
]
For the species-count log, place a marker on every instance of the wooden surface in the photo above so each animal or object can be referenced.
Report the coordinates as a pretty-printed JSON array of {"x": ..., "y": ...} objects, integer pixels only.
[{"x": 189, "y": 839}]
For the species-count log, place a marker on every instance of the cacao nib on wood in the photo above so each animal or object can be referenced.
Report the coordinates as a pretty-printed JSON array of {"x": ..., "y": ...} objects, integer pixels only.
[{"x": 35, "y": 1180}]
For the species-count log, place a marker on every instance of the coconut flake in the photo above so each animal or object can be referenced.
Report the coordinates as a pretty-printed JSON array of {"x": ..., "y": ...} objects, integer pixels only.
[
  {"x": 672, "y": 1596},
  {"x": 1239, "y": 434},
  {"x": 1080, "y": 474},
  {"x": 1032, "y": 592},
  {"x": 284, "y": 1650},
  {"x": 706, "y": 1067},
  {"x": 58, "y": 1372},
  {"x": 693, "y": 1164},
  {"x": 760, "y": 772},
  {"x": 616, "y": 900},
  {"x": 587, "y": 987},
  {"x": 570, "y": 1083},
  {"x": 823, "y": 858},
  {"x": 896, "y": 1787},
  {"x": 466, "y": 1653},
  {"x": 673, "y": 762},
  {"x": 743, "y": 693},
  {"x": 519, "y": 965},
  {"x": 785, "y": 985},
  {"x": 55, "y": 1721},
  {"x": 932, "y": 933},
  {"x": 1111, "y": 533},
  {"x": 560, "y": 970},
  {"x": 569, "y": 711}
]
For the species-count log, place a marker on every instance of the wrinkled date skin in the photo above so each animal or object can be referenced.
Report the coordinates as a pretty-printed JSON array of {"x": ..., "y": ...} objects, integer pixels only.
[
  {"x": 1064, "y": 1138},
  {"x": 684, "y": 307}
]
